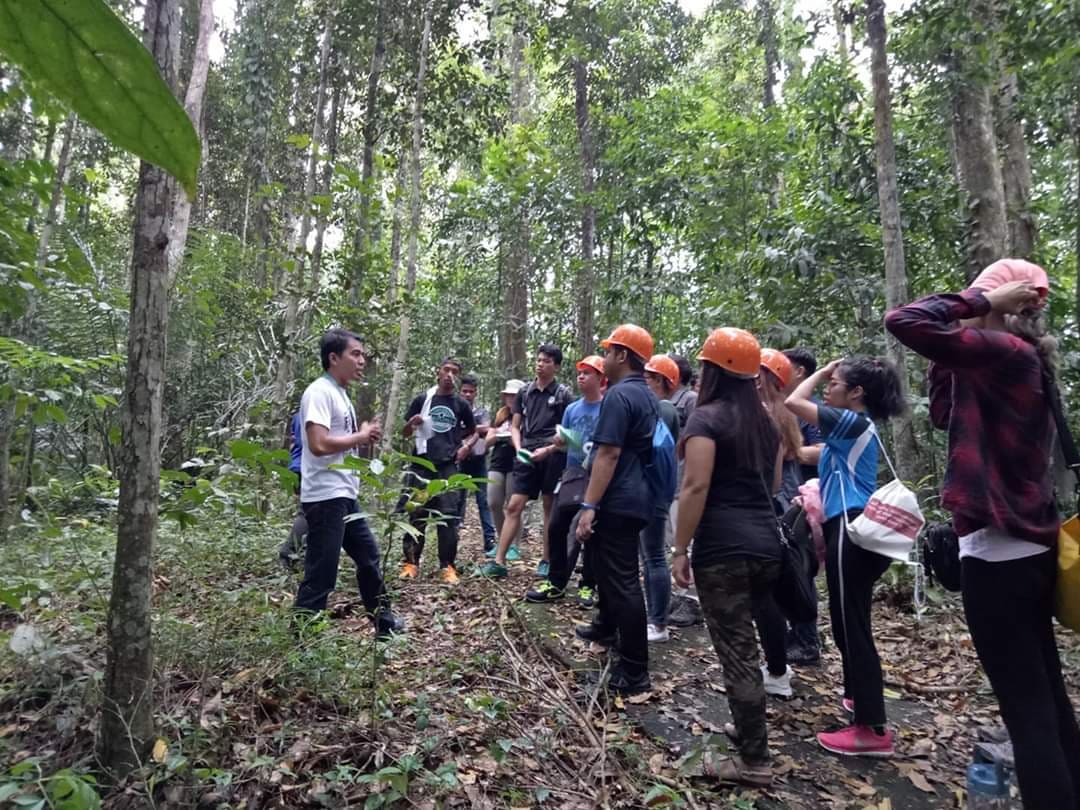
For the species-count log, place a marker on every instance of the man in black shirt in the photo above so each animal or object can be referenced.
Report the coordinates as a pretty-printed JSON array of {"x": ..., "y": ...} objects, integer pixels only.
[
  {"x": 618, "y": 504},
  {"x": 538, "y": 410},
  {"x": 440, "y": 420}
]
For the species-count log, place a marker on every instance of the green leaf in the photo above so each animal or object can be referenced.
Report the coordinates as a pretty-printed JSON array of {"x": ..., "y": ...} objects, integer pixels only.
[{"x": 86, "y": 56}]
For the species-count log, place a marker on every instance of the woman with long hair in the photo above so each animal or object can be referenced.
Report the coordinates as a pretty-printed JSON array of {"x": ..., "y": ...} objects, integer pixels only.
[
  {"x": 731, "y": 450},
  {"x": 858, "y": 391},
  {"x": 991, "y": 379},
  {"x": 501, "y": 462},
  {"x": 776, "y": 375}
]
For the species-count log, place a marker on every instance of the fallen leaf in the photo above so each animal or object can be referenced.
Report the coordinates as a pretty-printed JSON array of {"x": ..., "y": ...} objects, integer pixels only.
[{"x": 160, "y": 749}]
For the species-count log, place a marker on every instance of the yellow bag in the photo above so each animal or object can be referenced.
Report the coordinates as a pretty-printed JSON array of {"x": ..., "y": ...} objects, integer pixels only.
[{"x": 1067, "y": 597}]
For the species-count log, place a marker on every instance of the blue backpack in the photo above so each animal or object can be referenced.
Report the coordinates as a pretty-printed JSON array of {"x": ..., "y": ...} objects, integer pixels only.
[{"x": 662, "y": 471}]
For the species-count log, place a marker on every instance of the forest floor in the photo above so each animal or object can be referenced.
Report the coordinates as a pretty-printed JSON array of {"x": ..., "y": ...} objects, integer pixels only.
[{"x": 477, "y": 705}]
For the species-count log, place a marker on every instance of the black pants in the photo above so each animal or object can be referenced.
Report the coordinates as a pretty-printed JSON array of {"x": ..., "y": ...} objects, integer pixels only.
[
  {"x": 328, "y": 534},
  {"x": 442, "y": 510},
  {"x": 851, "y": 572},
  {"x": 614, "y": 547},
  {"x": 772, "y": 631},
  {"x": 561, "y": 544},
  {"x": 1008, "y": 606}
]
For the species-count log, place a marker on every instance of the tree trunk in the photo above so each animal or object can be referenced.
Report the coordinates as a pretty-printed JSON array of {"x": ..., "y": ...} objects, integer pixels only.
[
  {"x": 59, "y": 180},
  {"x": 1016, "y": 171},
  {"x": 127, "y": 723},
  {"x": 296, "y": 286},
  {"x": 514, "y": 303},
  {"x": 892, "y": 237},
  {"x": 362, "y": 240},
  {"x": 415, "y": 208},
  {"x": 193, "y": 103},
  {"x": 324, "y": 189},
  {"x": 767, "y": 39},
  {"x": 840, "y": 21},
  {"x": 584, "y": 276},
  {"x": 976, "y": 148}
]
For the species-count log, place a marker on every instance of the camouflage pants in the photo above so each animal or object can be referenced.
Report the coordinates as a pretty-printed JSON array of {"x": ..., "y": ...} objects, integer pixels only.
[{"x": 727, "y": 591}]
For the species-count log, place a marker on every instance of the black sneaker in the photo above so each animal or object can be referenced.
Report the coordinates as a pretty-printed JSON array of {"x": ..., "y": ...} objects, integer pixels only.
[
  {"x": 590, "y": 632},
  {"x": 586, "y": 596},
  {"x": 387, "y": 625},
  {"x": 622, "y": 684},
  {"x": 685, "y": 611},
  {"x": 802, "y": 656},
  {"x": 544, "y": 592}
]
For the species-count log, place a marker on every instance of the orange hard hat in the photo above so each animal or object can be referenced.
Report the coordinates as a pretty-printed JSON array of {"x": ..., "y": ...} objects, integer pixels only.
[
  {"x": 593, "y": 362},
  {"x": 777, "y": 362},
  {"x": 664, "y": 366},
  {"x": 631, "y": 337},
  {"x": 736, "y": 351}
]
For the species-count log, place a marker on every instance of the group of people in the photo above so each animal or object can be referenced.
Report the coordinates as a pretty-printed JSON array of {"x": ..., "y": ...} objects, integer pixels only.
[{"x": 761, "y": 427}]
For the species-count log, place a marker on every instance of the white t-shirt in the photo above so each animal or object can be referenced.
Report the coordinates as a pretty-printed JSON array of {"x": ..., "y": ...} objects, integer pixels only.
[
  {"x": 326, "y": 403},
  {"x": 994, "y": 545}
]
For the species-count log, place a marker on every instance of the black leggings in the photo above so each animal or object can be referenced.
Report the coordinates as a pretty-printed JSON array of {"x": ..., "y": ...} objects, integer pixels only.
[{"x": 1008, "y": 606}]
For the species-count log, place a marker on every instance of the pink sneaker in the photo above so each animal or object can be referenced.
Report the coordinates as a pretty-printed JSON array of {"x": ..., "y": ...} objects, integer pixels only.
[
  {"x": 858, "y": 741},
  {"x": 849, "y": 705}
]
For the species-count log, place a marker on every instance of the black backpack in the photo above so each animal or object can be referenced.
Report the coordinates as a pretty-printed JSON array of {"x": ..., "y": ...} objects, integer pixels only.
[{"x": 941, "y": 556}]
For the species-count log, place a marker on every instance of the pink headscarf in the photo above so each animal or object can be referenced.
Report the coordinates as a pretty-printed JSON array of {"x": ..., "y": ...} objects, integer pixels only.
[{"x": 1005, "y": 270}]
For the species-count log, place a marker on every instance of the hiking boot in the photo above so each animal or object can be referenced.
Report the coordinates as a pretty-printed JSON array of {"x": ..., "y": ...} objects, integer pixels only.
[
  {"x": 546, "y": 591},
  {"x": 586, "y": 596},
  {"x": 449, "y": 575},
  {"x": 387, "y": 625},
  {"x": 777, "y": 685},
  {"x": 733, "y": 769},
  {"x": 512, "y": 554},
  {"x": 492, "y": 570},
  {"x": 858, "y": 741},
  {"x": 543, "y": 568},
  {"x": 621, "y": 683},
  {"x": 590, "y": 632},
  {"x": 802, "y": 656},
  {"x": 409, "y": 571},
  {"x": 848, "y": 705},
  {"x": 685, "y": 611},
  {"x": 657, "y": 633}
]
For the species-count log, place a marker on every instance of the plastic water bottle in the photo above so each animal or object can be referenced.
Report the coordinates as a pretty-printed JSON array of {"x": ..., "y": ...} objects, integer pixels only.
[{"x": 987, "y": 787}]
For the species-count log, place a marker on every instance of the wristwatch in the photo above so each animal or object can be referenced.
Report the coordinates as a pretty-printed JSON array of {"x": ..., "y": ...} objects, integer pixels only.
[
  {"x": 589, "y": 506},
  {"x": 676, "y": 553}
]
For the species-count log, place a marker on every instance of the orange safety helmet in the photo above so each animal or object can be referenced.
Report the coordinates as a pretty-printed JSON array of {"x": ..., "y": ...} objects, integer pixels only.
[
  {"x": 631, "y": 337},
  {"x": 664, "y": 366},
  {"x": 736, "y": 351},
  {"x": 777, "y": 362},
  {"x": 593, "y": 362}
]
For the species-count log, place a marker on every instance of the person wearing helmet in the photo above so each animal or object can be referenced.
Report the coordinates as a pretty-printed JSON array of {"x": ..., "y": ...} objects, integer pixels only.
[
  {"x": 858, "y": 390},
  {"x": 501, "y": 464},
  {"x": 662, "y": 375},
  {"x": 731, "y": 449},
  {"x": 575, "y": 434},
  {"x": 617, "y": 505},
  {"x": 539, "y": 462}
]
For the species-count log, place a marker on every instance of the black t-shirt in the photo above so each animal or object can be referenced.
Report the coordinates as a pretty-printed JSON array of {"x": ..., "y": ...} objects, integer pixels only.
[
  {"x": 541, "y": 410},
  {"x": 739, "y": 519},
  {"x": 451, "y": 420},
  {"x": 502, "y": 453},
  {"x": 628, "y": 415}
]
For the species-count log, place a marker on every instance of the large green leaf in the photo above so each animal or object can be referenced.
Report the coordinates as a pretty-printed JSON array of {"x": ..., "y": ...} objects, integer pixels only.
[{"x": 84, "y": 54}]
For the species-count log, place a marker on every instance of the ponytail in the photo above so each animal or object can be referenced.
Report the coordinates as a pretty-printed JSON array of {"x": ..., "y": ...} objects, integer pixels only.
[{"x": 882, "y": 388}]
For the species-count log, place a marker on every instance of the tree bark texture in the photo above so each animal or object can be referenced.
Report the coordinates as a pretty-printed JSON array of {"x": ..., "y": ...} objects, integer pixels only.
[
  {"x": 52, "y": 215},
  {"x": 584, "y": 281},
  {"x": 767, "y": 38},
  {"x": 892, "y": 237},
  {"x": 193, "y": 104},
  {"x": 1016, "y": 170},
  {"x": 514, "y": 320},
  {"x": 127, "y": 723},
  {"x": 412, "y": 250}
]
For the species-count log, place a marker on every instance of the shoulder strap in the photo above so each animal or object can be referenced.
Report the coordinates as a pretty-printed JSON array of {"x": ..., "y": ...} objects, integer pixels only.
[{"x": 1068, "y": 443}]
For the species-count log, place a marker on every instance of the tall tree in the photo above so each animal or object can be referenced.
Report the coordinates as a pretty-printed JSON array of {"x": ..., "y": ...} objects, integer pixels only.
[
  {"x": 584, "y": 280},
  {"x": 127, "y": 723},
  {"x": 1016, "y": 168},
  {"x": 892, "y": 237}
]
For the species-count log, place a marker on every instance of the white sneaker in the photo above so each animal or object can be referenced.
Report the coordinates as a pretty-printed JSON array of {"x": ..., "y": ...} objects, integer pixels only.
[
  {"x": 657, "y": 633},
  {"x": 778, "y": 685}
]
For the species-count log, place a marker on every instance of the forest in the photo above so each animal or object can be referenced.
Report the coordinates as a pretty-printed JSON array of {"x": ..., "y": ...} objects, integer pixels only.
[{"x": 469, "y": 178}]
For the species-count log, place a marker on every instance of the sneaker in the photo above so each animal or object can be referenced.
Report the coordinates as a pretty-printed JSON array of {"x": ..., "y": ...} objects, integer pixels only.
[
  {"x": 657, "y": 633},
  {"x": 685, "y": 611},
  {"x": 544, "y": 592},
  {"x": 490, "y": 552},
  {"x": 409, "y": 571},
  {"x": 848, "y": 705},
  {"x": 586, "y": 596},
  {"x": 858, "y": 741},
  {"x": 492, "y": 570},
  {"x": 489, "y": 545},
  {"x": 387, "y": 625},
  {"x": 621, "y": 683},
  {"x": 802, "y": 656},
  {"x": 590, "y": 632},
  {"x": 732, "y": 769},
  {"x": 777, "y": 685},
  {"x": 449, "y": 575},
  {"x": 512, "y": 554},
  {"x": 543, "y": 568}
]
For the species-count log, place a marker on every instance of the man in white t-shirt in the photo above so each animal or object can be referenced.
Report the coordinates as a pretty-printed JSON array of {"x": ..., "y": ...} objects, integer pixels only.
[{"x": 328, "y": 495}]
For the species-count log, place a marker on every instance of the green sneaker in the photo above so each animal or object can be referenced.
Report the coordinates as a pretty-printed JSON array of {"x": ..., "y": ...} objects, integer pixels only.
[
  {"x": 492, "y": 570},
  {"x": 544, "y": 592},
  {"x": 586, "y": 596},
  {"x": 512, "y": 554},
  {"x": 543, "y": 569},
  {"x": 491, "y": 552}
]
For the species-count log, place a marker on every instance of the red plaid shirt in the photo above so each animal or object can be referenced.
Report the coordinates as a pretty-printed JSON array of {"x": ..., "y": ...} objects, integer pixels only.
[{"x": 986, "y": 390}]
